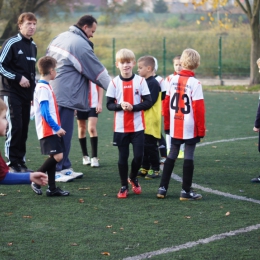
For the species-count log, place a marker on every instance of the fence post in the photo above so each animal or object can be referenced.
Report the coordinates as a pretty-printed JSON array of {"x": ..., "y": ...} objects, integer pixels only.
[
  {"x": 113, "y": 57},
  {"x": 220, "y": 60},
  {"x": 164, "y": 56}
]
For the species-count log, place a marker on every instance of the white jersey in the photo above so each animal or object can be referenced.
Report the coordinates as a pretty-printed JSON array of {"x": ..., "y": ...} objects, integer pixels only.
[
  {"x": 129, "y": 91},
  {"x": 44, "y": 92},
  {"x": 161, "y": 82},
  {"x": 93, "y": 94}
]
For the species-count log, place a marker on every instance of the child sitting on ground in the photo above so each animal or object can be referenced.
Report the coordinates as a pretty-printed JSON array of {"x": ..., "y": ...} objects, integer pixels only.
[{"x": 7, "y": 177}]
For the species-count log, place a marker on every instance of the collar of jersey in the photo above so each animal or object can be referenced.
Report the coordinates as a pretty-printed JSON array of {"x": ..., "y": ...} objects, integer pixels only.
[
  {"x": 43, "y": 81},
  {"x": 187, "y": 73}
]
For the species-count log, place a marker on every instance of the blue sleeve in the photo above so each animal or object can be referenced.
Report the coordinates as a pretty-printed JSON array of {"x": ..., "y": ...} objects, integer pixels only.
[
  {"x": 16, "y": 178},
  {"x": 44, "y": 105}
]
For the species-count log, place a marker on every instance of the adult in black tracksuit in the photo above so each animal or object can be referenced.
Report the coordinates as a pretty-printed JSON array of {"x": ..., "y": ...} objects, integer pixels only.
[{"x": 17, "y": 67}]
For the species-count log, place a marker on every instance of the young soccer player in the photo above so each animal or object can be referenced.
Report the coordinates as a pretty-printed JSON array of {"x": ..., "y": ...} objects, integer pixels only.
[
  {"x": 151, "y": 163},
  {"x": 128, "y": 95},
  {"x": 184, "y": 114},
  {"x": 95, "y": 97},
  {"x": 256, "y": 128},
  {"x": 161, "y": 142},
  {"x": 7, "y": 177},
  {"x": 47, "y": 122}
]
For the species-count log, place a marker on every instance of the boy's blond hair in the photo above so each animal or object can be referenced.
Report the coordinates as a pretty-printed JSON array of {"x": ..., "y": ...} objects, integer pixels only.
[
  {"x": 190, "y": 59},
  {"x": 125, "y": 55},
  {"x": 2, "y": 105},
  {"x": 147, "y": 61},
  {"x": 258, "y": 62},
  {"x": 45, "y": 64}
]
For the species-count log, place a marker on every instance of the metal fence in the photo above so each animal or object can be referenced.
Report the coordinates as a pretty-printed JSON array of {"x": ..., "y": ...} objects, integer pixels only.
[{"x": 221, "y": 56}]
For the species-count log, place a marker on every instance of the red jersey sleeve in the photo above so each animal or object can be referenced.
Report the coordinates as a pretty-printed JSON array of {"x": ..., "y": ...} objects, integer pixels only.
[
  {"x": 166, "y": 112},
  {"x": 199, "y": 116}
]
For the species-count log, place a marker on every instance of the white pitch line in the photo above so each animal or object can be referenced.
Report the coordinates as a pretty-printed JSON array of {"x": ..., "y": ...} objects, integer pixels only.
[
  {"x": 225, "y": 194},
  {"x": 214, "y": 237},
  {"x": 195, "y": 243},
  {"x": 226, "y": 140}
]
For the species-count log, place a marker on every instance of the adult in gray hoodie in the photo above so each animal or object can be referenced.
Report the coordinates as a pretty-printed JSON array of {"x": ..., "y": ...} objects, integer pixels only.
[{"x": 76, "y": 65}]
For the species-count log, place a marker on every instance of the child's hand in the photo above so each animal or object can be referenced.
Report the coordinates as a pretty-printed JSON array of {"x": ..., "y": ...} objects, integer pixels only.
[
  {"x": 126, "y": 106},
  {"x": 61, "y": 132},
  {"x": 39, "y": 178},
  {"x": 256, "y": 129}
]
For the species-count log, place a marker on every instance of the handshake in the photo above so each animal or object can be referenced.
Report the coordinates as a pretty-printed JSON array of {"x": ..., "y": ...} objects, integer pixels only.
[{"x": 126, "y": 106}]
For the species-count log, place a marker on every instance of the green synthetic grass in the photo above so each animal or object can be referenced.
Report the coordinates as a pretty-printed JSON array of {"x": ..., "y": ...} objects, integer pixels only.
[{"x": 39, "y": 227}]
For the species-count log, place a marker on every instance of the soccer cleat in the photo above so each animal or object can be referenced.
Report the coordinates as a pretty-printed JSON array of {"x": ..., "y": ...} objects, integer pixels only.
[
  {"x": 161, "y": 194},
  {"x": 123, "y": 193},
  {"x": 136, "y": 188},
  {"x": 24, "y": 168},
  {"x": 189, "y": 195},
  {"x": 59, "y": 177},
  {"x": 57, "y": 192},
  {"x": 94, "y": 162},
  {"x": 71, "y": 173},
  {"x": 163, "y": 159},
  {"x": 142, "y": 172},
  {"x": 256, "y": 180},
  {"x": 36, "y": 188},
  {"x": 15, "y": 168},
  {"x": 152, "y": 175},
  {"x": 86, "y": 160},
  {"x": 181, "y": 154}
]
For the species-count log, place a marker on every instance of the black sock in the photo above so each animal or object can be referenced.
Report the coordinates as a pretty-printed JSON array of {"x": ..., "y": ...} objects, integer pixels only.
[
  {"x": 83, "y": 145},
  {"x": 123, "y": 172},
  {"x": 167, "y": 172},
  {"x": 51, "y": 178},
  {"x": 94, "y": 145},
  {"x": 48, "y": 165},
  {"x": 188, "y": 168}
]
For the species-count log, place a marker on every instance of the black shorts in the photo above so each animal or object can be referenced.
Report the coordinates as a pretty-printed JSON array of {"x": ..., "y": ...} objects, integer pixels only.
[
  {"x": 85, "y": 115},
  {"x": 186, "y": 141},
  {"x": 52, "y": 145},
  {"x": 121, "y": 139}
]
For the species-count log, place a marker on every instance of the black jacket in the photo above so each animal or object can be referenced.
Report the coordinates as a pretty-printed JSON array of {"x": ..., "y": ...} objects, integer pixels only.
[{"x": 17, "y": 59}]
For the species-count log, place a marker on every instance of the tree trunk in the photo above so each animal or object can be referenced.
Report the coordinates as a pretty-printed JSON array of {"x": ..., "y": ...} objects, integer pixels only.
[
  {"x": 11, "y": 28},
  {"x": 255, "y": 50}
]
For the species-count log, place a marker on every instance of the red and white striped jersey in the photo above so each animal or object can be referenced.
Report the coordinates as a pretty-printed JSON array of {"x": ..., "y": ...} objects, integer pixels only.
[
  {"x": 128, "y": 91},
  {"x": 44, "y": 92},
  {"x": 184, "y": 109},
  {"x": 93, "y": 94}
]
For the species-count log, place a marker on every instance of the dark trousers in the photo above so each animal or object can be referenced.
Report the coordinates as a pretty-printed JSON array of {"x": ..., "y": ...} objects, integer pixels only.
[
  {"x": 67, "y": 123},
  {"x": 151, "y": 153},
  {"x": 18, "y": 117}
]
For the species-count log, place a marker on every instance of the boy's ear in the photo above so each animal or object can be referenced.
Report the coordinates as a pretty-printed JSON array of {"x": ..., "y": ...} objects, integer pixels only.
[{"x": 116, "y": 63}]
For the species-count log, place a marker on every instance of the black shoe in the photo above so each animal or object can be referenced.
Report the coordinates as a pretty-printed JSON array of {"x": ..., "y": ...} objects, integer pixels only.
[
  {"x": 15, "y": 168},
  {"x": 24, "y": 168},
  {"x": 189, "y": 195},
  {"x": 36, "y": 188},
  {"x": 257, "y": 179},
  {"x": 57, "y": 192},
  {"x": 161, "y": 194}
]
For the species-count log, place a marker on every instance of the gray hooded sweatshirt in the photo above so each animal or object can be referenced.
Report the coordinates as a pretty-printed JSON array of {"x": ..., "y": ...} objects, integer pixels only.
[{"x": 76, "y": 65}]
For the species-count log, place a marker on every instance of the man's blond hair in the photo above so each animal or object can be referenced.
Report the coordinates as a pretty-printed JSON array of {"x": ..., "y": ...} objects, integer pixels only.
[
  {"x": 190, "y": 59},
  {"x": 125, "y": 55}
]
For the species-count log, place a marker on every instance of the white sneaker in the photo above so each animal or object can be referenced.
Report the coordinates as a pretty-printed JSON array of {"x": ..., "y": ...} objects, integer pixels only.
[
  {"x": 59, "y": 177},
  {"x": 86, "y": 160},
  {"x": 70, "y": 173},
  {"x": 94, "y": 162}
]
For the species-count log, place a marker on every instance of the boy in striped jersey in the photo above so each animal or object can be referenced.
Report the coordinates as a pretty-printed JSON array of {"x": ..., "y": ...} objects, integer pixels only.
[
  {"x": 128, "y": 95},
  {"x": 47, "y": 122},
  {"x": 184, "y": 118}
]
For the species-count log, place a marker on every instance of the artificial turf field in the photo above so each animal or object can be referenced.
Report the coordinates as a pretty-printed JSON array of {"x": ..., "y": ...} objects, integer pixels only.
[{"x": 92, "y": 221}]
